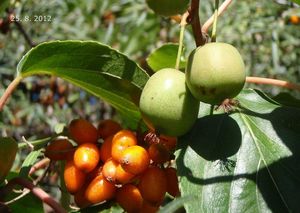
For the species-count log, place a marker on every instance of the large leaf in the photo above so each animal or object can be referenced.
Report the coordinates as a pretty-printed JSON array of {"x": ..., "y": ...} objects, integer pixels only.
[
  {"x": 245, "y": 161},
  {"x": 97, "y": 68},
  {"x": 8, "y": 151},
  {"x": 164, "y": 57}
]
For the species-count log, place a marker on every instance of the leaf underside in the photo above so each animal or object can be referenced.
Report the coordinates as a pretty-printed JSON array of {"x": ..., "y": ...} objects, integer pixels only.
[{"x": 244, "y": 161}]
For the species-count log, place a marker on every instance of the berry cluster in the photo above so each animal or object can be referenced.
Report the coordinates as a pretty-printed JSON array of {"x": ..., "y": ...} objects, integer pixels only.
[{"x": 134, "y": 172}]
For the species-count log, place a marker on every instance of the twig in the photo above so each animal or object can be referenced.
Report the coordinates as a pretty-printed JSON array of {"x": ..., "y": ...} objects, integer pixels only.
[
  {"x": 38, "y": 192},
  {"x": 24, "y": 33},
  {"x": 210, "y": 21},
  {"x": 39, "y": 165},
  {"x": 194, "y": 19},
  {"x": 31, "y": 147},
  {"x": 183, "y": 23},
  {"x": 9, "y": 91},
  {"x": 274, "y": 82}
]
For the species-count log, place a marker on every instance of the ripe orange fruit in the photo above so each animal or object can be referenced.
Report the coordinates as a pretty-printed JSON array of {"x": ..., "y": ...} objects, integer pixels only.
[
  {"x": 149, "y": 208},
  {"x": 107, "y": 128},
  {"x": 129, "y": 198},
  {"x": 168, "y": 141},
  {"x": 79, "y": 198},
  {"x": 121, "y": 141},
  {"x": 100, "y": 190},
  {"x": 135, "y": 159},
  {"x": 153, "y": 185},
  {"x": 122, "y": 176},
  {"x": 59, "y": 149},
  {"x": 158, "y": 153},
  {"x": 83, "y": 131},
  {"x": 294, "y": 19},
  {"x": 105, "y": 150},
  {"x": 172, "y": 182},
  {"x": 74, "y": 177},
  {"x": 86, "y": 157},
  {"x": 110, "y": 169}
]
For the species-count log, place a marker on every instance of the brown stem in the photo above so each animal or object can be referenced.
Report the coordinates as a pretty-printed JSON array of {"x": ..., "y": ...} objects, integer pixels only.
[
  {"x": 194, "y": 19},
  {"x": 39, "y": 165},
  {"x": 38, "y": 192},
  {"x": 210, "y": 21},
  {"x": 9, "y": 91},
  {"x": 24, "y": 33},
  {"x": 274, "y": 82}
]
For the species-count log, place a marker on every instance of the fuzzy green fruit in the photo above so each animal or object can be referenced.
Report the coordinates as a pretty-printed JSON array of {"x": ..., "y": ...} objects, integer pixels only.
[
  {"x": 166, "y": 103},
  {"x": 215, "y": 72},
  {"x": 168, "y": 7}
]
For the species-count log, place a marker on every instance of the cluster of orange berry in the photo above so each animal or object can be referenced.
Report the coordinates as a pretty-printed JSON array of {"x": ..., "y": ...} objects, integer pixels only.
[{"x": 135, "y": 173}]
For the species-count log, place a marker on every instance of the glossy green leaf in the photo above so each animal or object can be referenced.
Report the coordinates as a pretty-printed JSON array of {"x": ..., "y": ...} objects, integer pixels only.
[
  {"x": 287, "y": 99},
  {"x": 8, "y": 151},
  {"x": 29, "y": 161},
  {"x": 164, "y": 57},
  {"x": 247, "y": 160},
  {"x": 97, "y": 68},
  {"x": 27, "y": 204}
]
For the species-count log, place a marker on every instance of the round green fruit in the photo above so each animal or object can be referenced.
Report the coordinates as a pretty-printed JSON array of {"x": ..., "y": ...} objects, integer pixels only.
[
  {"x": 167, "y": 105},
  {"x": 214, "y": 72},
  {"x": 168, "y": 7}
]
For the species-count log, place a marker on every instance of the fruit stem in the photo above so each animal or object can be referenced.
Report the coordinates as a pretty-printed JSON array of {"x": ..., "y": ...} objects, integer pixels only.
[
  {"x": 274, "y": 82},
  {"x": 214, "y": 30},
  {"x": 221, "y": 10},
  {"x": 183, "y": 23},
  {"x": 194, "y": 20},
  {"x": 7, "y": 93}
]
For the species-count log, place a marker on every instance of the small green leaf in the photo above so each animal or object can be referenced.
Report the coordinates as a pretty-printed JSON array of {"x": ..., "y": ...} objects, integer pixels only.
[
  {"x": 8, "y": 151},
  {"x": 28, "y": 162},
  {"x": 97, "y": 68},
  {"x": 247, "y": 159},
  {"x": 59, "y": 128},
  {"x": 164, "y": 57}
]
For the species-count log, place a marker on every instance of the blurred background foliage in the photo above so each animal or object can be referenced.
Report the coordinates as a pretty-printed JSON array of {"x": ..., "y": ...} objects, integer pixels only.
[{"x": 263, "y": 31}]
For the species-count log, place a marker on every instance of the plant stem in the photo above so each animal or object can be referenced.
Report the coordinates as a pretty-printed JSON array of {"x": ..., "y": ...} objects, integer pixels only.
[
  {"x": 183, "y": 23},
  {"x": 214, "y": 30},
  {"x": 7, "y": 93},
  {"x": 38, "y": 192},
  {"x": 210, "y": 21},
  {"x": 194, "y": 19},
  {"x": 36, "y": 142},
  {"x": 274, "y": 82}
]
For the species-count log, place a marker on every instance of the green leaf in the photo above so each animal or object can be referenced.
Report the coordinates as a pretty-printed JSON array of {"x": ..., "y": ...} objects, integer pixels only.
[
  {"x": 27, "y": 204},
  {"x": 246, "y": 160},
  {"x": 164, "y": 57},
  {"x": 97, "y": 68},
  {"x": 296, "y": 1},
  {"x": 4, "y": 4},
  {"x": 8, "y": 151},
  {"x": 287, "y": 99},
  {"x": 28, "y": 162}
]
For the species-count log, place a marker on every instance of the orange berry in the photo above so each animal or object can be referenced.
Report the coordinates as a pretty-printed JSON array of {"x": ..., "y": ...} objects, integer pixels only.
[
  {"x": 121, "y": 141},
  {"x": 74, "y": 177},
  {"x": 153, "y": 185},
  {"x": 295, "y": 19},
  {"x": 158, "y": 153},
  {"x": 122, "y": 176},
  {"x": 149, "y": 208},
  {"x": 100, "y": 190},
  {"x": 83, "y": 131},
  {"x": 168, "y": 141},
  {"x": 86, "y": 157},
  {"x": 59, "y": 149},
  {"x": 79, "y": 198},
  {"x": 107, "y": 128},
  {"x": 172, "y": 182},
  {"x": 135, "y": 159},
  {"x": 129, "y": 198},
  {"x": 110, "y": 169},
  {"x": 105, "y": 150}
]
